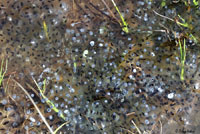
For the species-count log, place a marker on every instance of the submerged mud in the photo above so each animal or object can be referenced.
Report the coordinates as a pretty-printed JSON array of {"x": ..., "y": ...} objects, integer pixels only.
[{"x": 101, "y": 78}]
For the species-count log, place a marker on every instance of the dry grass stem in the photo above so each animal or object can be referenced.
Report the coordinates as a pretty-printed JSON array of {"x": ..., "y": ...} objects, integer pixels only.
[{"x": 36, "y": 107}]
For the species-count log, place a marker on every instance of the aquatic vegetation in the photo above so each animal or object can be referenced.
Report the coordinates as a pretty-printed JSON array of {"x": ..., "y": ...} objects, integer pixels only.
[
  {"x": 55, "y": 132},
  {"x": 3, "y": 71},
  {"x": 184, "y": 24},
  {"x": 49, "y": 102},
  {"x": 163, "y": 3},
  {"x": 42, "y": 116},
  {"x": 124, "y": 24},
  {"x": 196, "y": 2},
  {"x": 46, "y": 30},
  {"x": 182, "y": 57}
]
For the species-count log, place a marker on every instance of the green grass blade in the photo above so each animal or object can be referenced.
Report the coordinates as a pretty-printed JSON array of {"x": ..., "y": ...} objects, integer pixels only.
[
  {"x": 50, "y": 103},
  {"x": 184, "y": 24},
  {"x": 183, "y": 57},
  {"x": 196, "y": 2},
  {"x": 2, "y": 74},
  {"x": 60, "y": 127},
  {"x": 125, "y": 25},
  {"x": 181, "y": 51}
]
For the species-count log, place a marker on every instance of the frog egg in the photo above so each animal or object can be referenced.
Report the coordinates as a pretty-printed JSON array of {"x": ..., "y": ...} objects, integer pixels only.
[
  {"x": 138, "y": 63},
  {"x": 170, "y": 95},
  {"x": 147, "y": 62},
  {"x": 100, "y": 44},
  {"x": 92, "y": 43},
  {"x": 106, "y": 101},
  {"x": 31, "y": 124},
  {"x": 131, "y": 77},
  {"x": 32, "y": 95},
  {"x": 154, "y": 67},
  {"x": 141, "y": 3},
  {"x": 38, "y": 123},
  {"x": 52, "y": 91},
  {"x": 108, "y": 93},
  {"x": 56, "y": 98},
  {"x": 101, "y": 30},
  {"x": 91, "y": 33},
  {"x": 4, "y": 101},
  {"x": 32, "y": 132},
  {"x": 60, "y": 113},
  {"x": 146, "y": 121},
  {"x": 55, "y": 22},
  {"x": 71, "y": 90},
  {"x": 50, "y": 117},
  {"x": 141, "y": 56},
  {"x": 48, "y": 110},
  {"x": 32, "y": 119},
  {"x": 82, "y": 30},
  {"x": 197, "y": 85},
  {"x": 160, "y": 89},
  {"x": 64, "y": 6},
  {"x": 33, "y": 42},
  {"x": 74, "y": 39},
  {"x": 159, "y": 38},
  {"x": 9, "y": 18},
  {"x": 26, "y": 127},
  {"x": 145, "y": 17}
]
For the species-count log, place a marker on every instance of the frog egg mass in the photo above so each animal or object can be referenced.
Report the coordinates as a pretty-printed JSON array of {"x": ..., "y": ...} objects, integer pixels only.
[{"x": 99, "y": 67}]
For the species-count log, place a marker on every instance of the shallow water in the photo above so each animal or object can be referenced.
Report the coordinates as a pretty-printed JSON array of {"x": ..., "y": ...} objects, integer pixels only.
[{"x": 98, "y": 76}]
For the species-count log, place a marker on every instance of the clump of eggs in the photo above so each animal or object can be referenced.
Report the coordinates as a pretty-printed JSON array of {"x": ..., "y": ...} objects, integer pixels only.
[{"x": 100, "y": 78}]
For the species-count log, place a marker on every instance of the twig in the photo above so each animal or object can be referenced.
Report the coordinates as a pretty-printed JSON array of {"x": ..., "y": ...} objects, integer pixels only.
[
  {"x": 160, "y": 127},
  {"x": 127, "y": 130},
  {"x": 128, "y": 114},
  {"x": 7, "y": 83},
  {"x": 101, "y": 11},
  {"x": 36, "y": 107},
  {"x": 136, "y": 127},
  {"x": 166, "y": 30},
  {"x": 110, "y": 10},
  {"x": 33, "y": 89},
  {"x": 162, "y": 16},
  {"x": 176, "y": 1}
]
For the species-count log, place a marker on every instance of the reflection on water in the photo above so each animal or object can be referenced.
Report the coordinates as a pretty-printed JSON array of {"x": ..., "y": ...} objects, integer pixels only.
[{"x": 99, "y": 77}]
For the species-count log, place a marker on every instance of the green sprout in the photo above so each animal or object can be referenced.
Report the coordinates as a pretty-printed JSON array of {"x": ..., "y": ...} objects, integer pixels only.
[
  {"x": 184, "y": 24},
  {"x": 38, "y": 110},
  {"x": 163, "y": 3},
  {"x": 46, "y": 30},
  {"x": 124, "y": 25},
  {"x": 60, "y": 127},
  {"x": 50, "y": 103},
  {"x": 183, "y": 57},
  {"x": 192, "y": 37},
  {"x": 196, "y": 2},
  {"x": 2, "y": 74}
]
